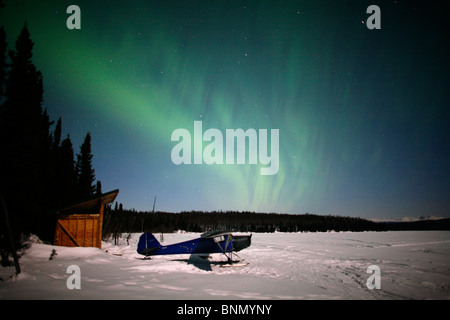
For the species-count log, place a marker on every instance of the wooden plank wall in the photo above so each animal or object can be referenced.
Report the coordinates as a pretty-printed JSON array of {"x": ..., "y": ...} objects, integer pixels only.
[{"x": 82, "y": 230}]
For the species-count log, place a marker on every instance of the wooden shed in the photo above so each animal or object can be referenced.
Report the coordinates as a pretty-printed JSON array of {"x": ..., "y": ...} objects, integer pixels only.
[{"x": 80, "y": 225}]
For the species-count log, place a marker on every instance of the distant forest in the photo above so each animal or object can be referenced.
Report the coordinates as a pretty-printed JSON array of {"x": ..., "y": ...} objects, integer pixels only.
[{"x": 118, "y": 220}]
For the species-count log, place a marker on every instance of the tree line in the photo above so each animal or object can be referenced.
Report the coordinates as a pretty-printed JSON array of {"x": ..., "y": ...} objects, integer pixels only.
[
  {"x": 39, "y": 172},
  {"x": 118, "y": 220}
]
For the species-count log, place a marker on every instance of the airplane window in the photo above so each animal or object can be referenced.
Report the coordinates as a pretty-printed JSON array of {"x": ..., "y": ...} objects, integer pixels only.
[{"x": 219, "y": 239}]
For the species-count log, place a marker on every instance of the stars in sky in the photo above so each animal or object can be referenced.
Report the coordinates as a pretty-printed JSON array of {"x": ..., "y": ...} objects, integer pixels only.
[{"x": 362, "y": 115}]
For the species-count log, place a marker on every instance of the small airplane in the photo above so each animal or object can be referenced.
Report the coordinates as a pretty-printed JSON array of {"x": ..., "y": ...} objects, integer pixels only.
[{"x": 208, "y": 243}]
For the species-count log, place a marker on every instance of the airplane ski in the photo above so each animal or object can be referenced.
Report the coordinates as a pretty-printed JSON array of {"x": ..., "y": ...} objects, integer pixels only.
[{"x": 232, "y": 265}]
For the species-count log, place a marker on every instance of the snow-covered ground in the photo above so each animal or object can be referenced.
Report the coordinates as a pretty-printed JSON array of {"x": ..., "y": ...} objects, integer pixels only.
[{"x": 413, "y": 265}]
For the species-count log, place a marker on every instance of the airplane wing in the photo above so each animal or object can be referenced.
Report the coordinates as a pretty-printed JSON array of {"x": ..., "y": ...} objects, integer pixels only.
[{"x": 215, "y": 233}]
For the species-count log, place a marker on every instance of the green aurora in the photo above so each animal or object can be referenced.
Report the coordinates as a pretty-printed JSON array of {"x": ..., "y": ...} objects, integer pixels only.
[{"x": 362, "y": 114}]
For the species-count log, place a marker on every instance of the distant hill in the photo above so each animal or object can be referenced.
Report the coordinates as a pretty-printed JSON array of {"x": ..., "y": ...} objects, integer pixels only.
[{"x": 441, "y": 224}]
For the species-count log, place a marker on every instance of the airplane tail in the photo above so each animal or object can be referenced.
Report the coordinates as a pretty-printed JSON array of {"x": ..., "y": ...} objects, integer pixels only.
[{"x": 148, "y": 244}]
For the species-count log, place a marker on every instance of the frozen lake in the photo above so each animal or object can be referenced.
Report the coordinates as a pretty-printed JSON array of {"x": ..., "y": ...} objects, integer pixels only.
[{"x": 412, "y": 264}]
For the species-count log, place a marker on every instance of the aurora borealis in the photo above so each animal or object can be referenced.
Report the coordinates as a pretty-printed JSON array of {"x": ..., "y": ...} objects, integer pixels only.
[{"x": 362, "y": 114}]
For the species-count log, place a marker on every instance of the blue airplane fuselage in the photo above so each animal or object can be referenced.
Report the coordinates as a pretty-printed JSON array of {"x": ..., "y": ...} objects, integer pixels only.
[{"x": 149, "y": 246}]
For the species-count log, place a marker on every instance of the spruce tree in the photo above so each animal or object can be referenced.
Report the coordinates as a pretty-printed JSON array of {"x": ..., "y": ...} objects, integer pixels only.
[
  {"x": 68, "y": 171},
  {"x": 3, "y": 63},
  {"x": 3, "y": 118},
  {"x": 64, "y": 183},
  {"x": 99, "y": 187},
  {"x": 57, "y": 135},
  {"x": 24, "y": 137},
  {"x": 85, "y": 172}
]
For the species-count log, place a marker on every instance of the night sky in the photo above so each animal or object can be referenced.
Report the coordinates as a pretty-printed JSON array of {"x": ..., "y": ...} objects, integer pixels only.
[{"x": 363, "y": 115}]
